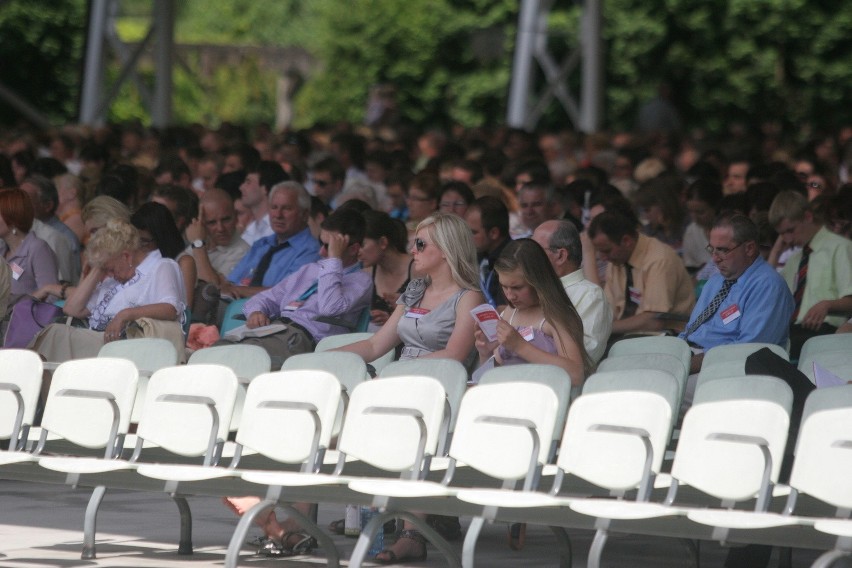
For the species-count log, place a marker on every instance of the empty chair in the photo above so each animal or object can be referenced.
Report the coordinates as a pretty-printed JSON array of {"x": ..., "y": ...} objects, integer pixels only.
[
  {"x": 450, "y": 373},
  {"x": 648, "y": 361},
  {"x": 550, "y": 375},
  {"x": 333, "y": 341},
  {"x": 653, "y": 344},
  {"x": 247, "y": 361},
  {"x": 149, "y": 354},
  {"x": 729, "y": 360},
  {"x": 827, "y": 351},
  {"x": 20, "y": 385}
]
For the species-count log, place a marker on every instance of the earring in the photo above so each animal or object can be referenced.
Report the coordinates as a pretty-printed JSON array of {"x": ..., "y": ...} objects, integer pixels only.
[{"x": 14, "y": 231}]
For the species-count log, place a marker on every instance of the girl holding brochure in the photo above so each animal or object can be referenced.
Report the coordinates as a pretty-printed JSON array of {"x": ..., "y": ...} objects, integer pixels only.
[{"x": 541, "y": 324}]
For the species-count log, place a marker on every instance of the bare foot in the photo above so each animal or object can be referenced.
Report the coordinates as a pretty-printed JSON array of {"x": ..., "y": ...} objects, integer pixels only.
[
  {"x": 410, "y": 545},
  {"x": 240, "y": 505}
]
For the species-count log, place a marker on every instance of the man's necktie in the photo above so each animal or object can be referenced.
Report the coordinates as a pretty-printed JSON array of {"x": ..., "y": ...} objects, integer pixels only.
[
  {"x": 801, "y": 279},
  {"x": 629, "y": 305},
  {"x": 712, "y": 307},
  {"x": 265, "y": 261}
]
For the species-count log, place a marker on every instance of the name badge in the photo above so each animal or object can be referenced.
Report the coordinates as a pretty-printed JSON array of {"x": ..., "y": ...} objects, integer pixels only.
[
  {"x": 526, "y": 332},
  {"x": 730, "y": 313},
  {"x": 245, "y": 281},
  {"x": 17, "y": 270},
  {"x": 635, "y": 295},
  {"x": 416, "y": 313},
  {"x": 293, "y": 306}
]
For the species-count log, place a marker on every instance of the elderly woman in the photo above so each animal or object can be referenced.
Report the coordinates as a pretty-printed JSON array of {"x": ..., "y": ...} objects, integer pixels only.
[{"x": 127, "y": 282}]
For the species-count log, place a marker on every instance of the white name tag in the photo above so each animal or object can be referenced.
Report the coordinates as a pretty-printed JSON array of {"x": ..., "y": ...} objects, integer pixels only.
[{"x": 416, "y": 313}]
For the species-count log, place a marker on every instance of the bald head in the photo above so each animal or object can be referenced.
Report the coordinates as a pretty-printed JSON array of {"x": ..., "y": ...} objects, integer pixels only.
[
  {"x": 220, "y": 218},
  {"x": 561, "y": 241}
]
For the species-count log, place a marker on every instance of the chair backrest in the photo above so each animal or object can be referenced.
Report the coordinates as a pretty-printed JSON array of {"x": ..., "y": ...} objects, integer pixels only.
[
  {"x": 84, "y": 397},
  {"x": 550, "y": 375},
  {"x": 729, "y": 360},
  {"x": 753, "y": 406},
  {"x": 823, "y": 344},
  {"x": 20, "y": 385},
  {"x": 603, "y": 438},
  {"x": 493, "y": 428},
  {"x": 178, "y": 415},
  {"x": 349, "y": 369},
  {"x": 381, "y": 427},
  {"x": 653, "y": 344},
  {"x": 334, "y": 341},
  {"x": 837, "y": 362},
  {"x": 279, "y": 414},
  {"x": 233, "y": 316},
  {"x": 823, "y": 464},
  {"x": 449, "y": 372},
  {"x": 649, "y": 361},
  {"x": 247, "y": 361},
  {"x": 149, "y": 354}
]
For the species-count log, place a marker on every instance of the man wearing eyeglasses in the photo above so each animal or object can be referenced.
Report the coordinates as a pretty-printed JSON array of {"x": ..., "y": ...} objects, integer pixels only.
[
  {"x": 747, "y": 301},
  {"x": 819, "y": 276},
  {"x": 327, "y": 177}
]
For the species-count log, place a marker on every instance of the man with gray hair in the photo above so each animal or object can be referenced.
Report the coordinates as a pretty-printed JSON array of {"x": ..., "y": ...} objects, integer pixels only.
[
  {"x": 561, "y": 242},
  {"x": 276, "y": 256}
]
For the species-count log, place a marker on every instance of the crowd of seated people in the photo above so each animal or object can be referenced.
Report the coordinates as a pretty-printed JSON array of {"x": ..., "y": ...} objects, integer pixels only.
[{"x": 576, "y": 243}]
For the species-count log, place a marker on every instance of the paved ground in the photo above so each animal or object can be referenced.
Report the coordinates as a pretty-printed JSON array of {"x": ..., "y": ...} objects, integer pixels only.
[{"x": 41, "y": 526}]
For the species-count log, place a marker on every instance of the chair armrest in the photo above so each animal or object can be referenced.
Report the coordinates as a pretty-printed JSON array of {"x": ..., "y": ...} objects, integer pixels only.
[
  {"x": 311, "y": 463},
  {"x": 529, "y": 425},
  {"x": 15, "y": 390},
  {"x": 210, "y": 458},
  {"x": 647, "y": 482},
  {"x": 109, "y": 452},
  {"x": 765, "y": 492},
  {"x": 421, "y": 424}
]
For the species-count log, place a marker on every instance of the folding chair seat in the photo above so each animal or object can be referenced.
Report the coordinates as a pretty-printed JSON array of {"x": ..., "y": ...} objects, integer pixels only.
[
  {"x": 333, "y": 341},
  {"x": 247, "y": 362},
  {"x": 649, "y": 361},
  {"x": 392, "y": 425},
  {"x": 185, "y": 417},
  {"x": 149, "y": 354},
  {"x": 450, "y": 373},
  {"x": 673, "y": 346},
  {"x": 20, "y": 385},
  {"x": 502, "y": 432},
  {"x": 823, "y": 344},
  {"x": 729, "y": 360}
]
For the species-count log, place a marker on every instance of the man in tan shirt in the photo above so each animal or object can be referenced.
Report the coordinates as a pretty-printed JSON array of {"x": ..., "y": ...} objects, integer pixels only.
[{"x": 644, "y": 277}]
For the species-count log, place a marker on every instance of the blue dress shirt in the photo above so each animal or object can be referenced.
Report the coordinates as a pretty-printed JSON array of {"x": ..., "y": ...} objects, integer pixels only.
[{"x": 303, "y": 249}]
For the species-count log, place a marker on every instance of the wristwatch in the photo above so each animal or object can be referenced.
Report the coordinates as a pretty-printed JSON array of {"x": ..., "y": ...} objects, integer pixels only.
[{"x": 198, "y": 243}]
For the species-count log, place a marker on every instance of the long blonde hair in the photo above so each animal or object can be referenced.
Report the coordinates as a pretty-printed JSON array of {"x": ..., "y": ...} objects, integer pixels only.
[{"x": 453, "y": 238}]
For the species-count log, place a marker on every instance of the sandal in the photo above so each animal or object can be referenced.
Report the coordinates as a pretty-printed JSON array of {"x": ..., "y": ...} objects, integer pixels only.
[
  {"x": 338, "y": 526},
  {"x": 392, "y": 558},
  {"x": 272, "y": 549},
  {"x": 517, "y": 536},
  {"x": 448, "y": 527},
  {"x": 302, "y": 542},
  {"x": 258, "y": 541}
]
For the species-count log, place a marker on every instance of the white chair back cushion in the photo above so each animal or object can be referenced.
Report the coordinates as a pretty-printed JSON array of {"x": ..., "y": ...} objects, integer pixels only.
[{"x": 22, "y": 368}]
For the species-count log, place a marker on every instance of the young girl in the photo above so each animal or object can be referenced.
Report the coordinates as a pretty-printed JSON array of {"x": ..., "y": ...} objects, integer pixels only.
[{"x": 541, "y": 325}]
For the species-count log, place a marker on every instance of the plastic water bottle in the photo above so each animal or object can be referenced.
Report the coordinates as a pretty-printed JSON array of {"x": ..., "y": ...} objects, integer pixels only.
[
  {"x": 352, "y": 521},
  {"x": 378, "y": 544}
]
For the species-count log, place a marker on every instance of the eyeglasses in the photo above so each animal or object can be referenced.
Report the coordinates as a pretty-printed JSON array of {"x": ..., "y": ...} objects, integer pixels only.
[
  {"x": 721, "y": 252},
  {"x": 419, "y": 245},
  {"x": 323, "y": 245}
]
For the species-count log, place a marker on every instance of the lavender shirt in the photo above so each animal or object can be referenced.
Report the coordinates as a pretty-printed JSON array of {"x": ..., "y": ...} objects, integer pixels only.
[
  {"x": 341, "y": 293},
  {"x": 35, "y": 263}
]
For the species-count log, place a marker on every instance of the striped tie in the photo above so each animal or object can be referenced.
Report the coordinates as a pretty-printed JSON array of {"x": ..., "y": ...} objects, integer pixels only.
[
  {"x": 711, "y": 308},
  {"x": 801, "y": 280}
]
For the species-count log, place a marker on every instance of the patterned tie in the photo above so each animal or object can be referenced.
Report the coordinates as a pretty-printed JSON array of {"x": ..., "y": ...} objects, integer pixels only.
[
  {"x": 801, "y": 279},
  {"x": 712, "y": 307},
  {"x": 265, "y": 261},
  {"x": 629, "y": 305}
]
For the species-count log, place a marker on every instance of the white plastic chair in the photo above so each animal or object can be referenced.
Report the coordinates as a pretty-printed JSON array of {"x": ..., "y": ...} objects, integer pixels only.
[
  {"x": 729, "y": 360},
  {"x": 648, "y": 361},
  {"x": 502, "y": 432},
  {"x": 149, "y": 354},
  {"x": 20, "y": 384},
  {"x": 653, "y": 344},
  {"x": 450, "y": 373},
  {"x": 824, "y": 344},
  {"x": 247, "y": 361},
  {"x": 550, "y": 375},
  {"x": 333, "y": 341}
]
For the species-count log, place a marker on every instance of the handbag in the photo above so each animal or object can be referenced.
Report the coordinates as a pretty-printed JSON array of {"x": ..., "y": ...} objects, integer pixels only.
[{"x": 29, "y": 316}]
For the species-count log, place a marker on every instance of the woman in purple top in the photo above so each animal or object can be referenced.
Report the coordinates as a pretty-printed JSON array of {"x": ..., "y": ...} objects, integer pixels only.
[
  {"x": 543, "y": 326},
  {"x": 30, "y": 259}
]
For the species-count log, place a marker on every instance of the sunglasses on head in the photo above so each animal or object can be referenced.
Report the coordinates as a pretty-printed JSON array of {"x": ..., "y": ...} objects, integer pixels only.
[{"x": 419, "y": 245}]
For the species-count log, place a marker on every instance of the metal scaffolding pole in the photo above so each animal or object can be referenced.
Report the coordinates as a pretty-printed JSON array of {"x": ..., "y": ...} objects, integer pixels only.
[
  {"x": 523, "y": 64},
  {"x": 164, "y": 23},
  {"x": 93, "y": 72},
  {"x": 591, "y": 97}
]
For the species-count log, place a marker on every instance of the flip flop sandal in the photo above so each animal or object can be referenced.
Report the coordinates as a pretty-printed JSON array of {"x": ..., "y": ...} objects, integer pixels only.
[
  {"x": 392, "y": 558},
  {"x": 304, "y": 545},
  {"x": 273, "y": 549},
  {"x": 257, "y": 541},
  {"x": 338, "y": 526}
]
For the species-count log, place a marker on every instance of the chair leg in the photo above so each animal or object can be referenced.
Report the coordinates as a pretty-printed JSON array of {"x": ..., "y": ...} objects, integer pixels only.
[
  {"x": 185, "y": 543},
  {"x": 470, "y": 539},
  {"x": 785, "y": 557},
  {"x": 563, "y": 544},
  {"x": 90, "y": 522},
  {"x": 596, "y": 550},
  {"x": 309, "y": 525},
  {"x": 691, "y": 547},
  {"x": 828, "y": 558},
  {"x": 368, "y": 533},
  {"x": 232, "y": 557}
]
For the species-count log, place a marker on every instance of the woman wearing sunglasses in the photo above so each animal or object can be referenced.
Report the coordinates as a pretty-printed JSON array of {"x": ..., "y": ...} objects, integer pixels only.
[{"x": 431, "y": 319}]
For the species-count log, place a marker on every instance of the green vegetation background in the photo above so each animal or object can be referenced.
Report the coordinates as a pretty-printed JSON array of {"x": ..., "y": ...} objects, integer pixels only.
[{"x": 743, "y": 60}]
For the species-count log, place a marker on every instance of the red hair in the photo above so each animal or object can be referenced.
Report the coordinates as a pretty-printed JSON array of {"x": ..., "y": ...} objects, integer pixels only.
[{"x": 16, "y": 208}]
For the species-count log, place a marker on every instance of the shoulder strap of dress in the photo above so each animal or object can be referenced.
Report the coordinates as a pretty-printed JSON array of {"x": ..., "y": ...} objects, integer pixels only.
[{"x": 541, "y": 324}]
